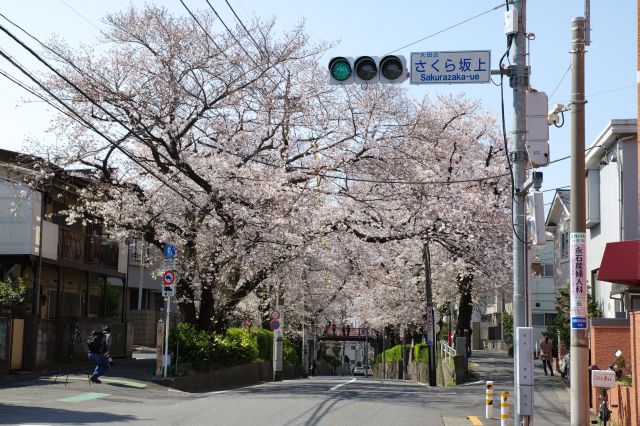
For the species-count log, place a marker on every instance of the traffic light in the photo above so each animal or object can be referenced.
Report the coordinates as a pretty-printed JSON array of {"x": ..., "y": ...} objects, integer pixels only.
[
  {"x": 341, "y": 70},
  {"x": 391, "y": 69},
  {"x": 535, "y": 217}
]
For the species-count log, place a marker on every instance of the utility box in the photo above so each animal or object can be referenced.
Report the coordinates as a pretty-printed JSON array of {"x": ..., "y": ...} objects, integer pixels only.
[
  {"x": 524, "y": 366},
  {"x": 537, "y": 137}
]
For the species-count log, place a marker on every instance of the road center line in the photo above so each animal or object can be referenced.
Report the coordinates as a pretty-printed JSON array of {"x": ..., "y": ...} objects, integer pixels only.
[{"x": 336, "y": 387}]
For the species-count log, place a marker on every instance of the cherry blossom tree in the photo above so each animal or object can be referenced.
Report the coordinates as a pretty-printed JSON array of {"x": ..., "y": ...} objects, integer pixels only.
[{"x": 265, "y": 177}]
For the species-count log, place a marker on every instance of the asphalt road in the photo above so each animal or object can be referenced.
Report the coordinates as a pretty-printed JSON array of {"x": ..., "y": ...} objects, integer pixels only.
[
  {"x": 135, "y": 398},
  {"x": 313, "y": 401}
]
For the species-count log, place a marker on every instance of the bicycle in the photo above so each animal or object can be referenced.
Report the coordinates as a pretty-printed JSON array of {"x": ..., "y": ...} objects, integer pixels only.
[{"x": 604, "y": 413}]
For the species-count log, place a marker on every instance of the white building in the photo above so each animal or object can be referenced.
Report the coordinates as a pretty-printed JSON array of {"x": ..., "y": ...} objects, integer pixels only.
[
  {"x": 543, "y": 292},
  {"x": 612, "y": 214}
]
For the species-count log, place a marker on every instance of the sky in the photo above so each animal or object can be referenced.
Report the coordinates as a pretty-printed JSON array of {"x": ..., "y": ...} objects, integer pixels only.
[{"x": 376, "y": 28}]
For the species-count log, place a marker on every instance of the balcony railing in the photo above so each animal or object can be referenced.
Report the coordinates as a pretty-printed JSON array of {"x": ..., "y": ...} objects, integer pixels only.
[{"x": 95, "y": 250}]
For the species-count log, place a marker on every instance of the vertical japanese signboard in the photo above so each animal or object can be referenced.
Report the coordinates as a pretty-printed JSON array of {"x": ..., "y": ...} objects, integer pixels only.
[
  {"x": 578, "y": 281},
  {"x": 430, "y": 325}
]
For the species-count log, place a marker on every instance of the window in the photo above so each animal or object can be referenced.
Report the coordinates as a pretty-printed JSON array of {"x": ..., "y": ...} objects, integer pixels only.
[
  {"x": 549, "y": 319},
  {"x": 538, "y": 319},
  {"x": 547, "y": 270},
  {"x": 564, "y": 245},
  {"x": 136, "y": 253}
]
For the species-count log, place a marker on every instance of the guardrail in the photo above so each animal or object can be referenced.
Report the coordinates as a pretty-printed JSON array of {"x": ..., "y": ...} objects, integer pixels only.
[{"x": 446, "y": 351}]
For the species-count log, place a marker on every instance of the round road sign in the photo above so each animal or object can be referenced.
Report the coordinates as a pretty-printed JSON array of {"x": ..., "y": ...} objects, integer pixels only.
[
  {"x": 169, "y": 277},
  {"x": 275, "y": 324},
  {"x": 275, "y": 314}
]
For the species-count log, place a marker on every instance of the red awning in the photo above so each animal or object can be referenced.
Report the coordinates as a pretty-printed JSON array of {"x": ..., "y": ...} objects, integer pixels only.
[{"x": 621, "y": 263}]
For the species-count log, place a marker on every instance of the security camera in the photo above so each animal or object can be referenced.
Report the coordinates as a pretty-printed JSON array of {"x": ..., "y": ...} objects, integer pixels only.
[{"x": 553, "y": 116}]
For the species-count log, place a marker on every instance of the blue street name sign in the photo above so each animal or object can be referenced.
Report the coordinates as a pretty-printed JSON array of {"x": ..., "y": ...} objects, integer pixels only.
[
  {"x": 578, "y": 322},
  {"x": 471, "y": 66},
  {"x": 169, "y": 251}
]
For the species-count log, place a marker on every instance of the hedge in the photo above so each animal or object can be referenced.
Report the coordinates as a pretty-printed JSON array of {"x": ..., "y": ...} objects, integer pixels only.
[
  {"x": 420, "y": 353},
  {"x": 206, "y": 350}
]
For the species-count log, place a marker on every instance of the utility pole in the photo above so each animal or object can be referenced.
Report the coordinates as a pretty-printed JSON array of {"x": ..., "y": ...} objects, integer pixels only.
[
  {"x": 519, "y": 81},
  {"x": 578, "y": 255},
  {"x": 430, "y": 332},
  {"x": 278, "y": 338}
]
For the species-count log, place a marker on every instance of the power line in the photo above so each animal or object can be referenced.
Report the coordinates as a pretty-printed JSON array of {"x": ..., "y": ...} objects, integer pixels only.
[
  {"x": 81, "y": 15},
  {"x": 590, "y": 95},
  {"x": 82, "y": 119},
  {"x": 560, "y": 82},
  {"x": 447, "y": 29}
]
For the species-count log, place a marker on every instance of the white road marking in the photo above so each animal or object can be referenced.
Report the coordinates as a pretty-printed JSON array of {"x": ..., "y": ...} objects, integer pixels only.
[{"x": 336, "y": 387}]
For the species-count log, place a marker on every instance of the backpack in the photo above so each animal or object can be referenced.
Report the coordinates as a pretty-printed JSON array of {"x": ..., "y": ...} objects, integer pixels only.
[{"x": 96, "y": 342}]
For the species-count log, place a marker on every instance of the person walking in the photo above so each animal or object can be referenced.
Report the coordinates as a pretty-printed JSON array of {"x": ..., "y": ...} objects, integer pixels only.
[
  {"x": 546, "y": 351},
  {"x": 99, "y": 344}
]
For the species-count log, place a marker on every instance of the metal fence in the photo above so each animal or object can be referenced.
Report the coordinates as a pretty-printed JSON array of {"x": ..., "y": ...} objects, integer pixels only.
[{"x": 446, "y": 351}]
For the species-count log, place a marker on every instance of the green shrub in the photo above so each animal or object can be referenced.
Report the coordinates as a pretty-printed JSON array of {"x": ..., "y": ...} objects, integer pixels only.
[
  {"x": 195, "y": 346},
  {"x": 421, "y": 353},
  {"x": 289, "y": 354},
  {"x": 205, "y": 350},
  {"x": 392, "y": 354},
  {"x": 264, "y": 340},
  {"x": 236, "y": 347}
]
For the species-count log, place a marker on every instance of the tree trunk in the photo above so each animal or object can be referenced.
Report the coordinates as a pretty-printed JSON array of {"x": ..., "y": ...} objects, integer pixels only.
[
  {"x": 187, "y": 305},
  {"x": 207, "y": 309},
  {"x": 465, "y": 305}
]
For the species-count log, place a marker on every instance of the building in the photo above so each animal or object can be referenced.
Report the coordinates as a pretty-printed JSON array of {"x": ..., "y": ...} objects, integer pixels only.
[
  {"x": 557, "y": 224},
  {"x": 542, "y": 285},
  {"x": 612, "y": 212},
  {"x": 74, "y": 272}
]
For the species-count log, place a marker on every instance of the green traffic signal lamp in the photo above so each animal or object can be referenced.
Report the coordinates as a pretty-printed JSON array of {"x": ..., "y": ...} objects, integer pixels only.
[{"x": 340, "y": 70}]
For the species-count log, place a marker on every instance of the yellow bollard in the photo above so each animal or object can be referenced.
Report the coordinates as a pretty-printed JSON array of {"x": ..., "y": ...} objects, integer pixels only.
[
  {"x": 489, "y": 401},
  {"x": 504, "y": 408}
]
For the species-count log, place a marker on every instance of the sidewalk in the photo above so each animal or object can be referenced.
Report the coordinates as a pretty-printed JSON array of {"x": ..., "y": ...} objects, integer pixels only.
[
  {"x": 140, "y": 368},
  {"x": 551, "y": 397}
]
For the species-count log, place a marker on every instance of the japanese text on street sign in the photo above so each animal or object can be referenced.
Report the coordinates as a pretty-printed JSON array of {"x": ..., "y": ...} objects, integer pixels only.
[
  {"x": 473, "y": 66},
  {"x": 429, "y": 325},
  {"x": 578, "y": 280},
  {"x": 168, "y": 291},
  {"x": 279, "y": 332},
  {"x": 170, "y": 264}
]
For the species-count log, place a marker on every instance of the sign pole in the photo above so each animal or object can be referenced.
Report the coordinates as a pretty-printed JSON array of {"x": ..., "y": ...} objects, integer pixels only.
[
  {"x": 578, "y": 255},
  {"x": 166, "y": 337}
]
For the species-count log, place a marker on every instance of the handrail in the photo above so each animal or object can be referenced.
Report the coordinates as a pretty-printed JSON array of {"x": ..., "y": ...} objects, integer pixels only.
[{"x": 447, "y": 351}]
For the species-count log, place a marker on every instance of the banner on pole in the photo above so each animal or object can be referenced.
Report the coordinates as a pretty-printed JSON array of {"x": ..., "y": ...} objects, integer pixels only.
[{"x": 578, "y": 280}]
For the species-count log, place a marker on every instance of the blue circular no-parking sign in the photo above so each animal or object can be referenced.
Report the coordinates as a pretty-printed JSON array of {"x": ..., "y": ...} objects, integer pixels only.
[{"x": 275, "y": 325}]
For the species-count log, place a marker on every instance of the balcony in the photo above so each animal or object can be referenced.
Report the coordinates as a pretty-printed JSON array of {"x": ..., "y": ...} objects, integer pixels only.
[{"x": 90, "y": 249}]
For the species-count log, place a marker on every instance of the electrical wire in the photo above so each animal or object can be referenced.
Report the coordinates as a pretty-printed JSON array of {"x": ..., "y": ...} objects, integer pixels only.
[
  {"x": 504, "y": 133},
  {"x": 560, "y": 82},
  {"x": 71, "y": 110},
  {"x": 448, "y": 28}
]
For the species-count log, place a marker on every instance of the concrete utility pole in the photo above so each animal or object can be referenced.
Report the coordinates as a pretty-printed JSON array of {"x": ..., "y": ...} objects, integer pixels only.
[
  {"x": 278, "y": 338},
  {"x": 519, "y": 80},
  {"x": 579, "y": 345},
  {"x": 430, "y": 334}
]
